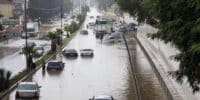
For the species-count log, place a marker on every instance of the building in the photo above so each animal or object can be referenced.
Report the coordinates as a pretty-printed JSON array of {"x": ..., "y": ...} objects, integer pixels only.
[
  {"x": 18, "y": 8},
  {"x": 44, "y": 9},
  {"x": 6, "y": 8}
]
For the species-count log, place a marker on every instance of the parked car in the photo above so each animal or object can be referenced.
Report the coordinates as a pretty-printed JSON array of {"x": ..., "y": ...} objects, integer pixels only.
[
  {"x": 103, "y": 97},
  {"x": 39, "y": 51},
  {"x": 85, "y": 32},
  {"x": 55, "y": 65},
  {"x": 70, "y": 53},
  {"x": 86, "y": 52},
  {"x": 28, "y": 90},
  {"x": 91, "y": 16}
]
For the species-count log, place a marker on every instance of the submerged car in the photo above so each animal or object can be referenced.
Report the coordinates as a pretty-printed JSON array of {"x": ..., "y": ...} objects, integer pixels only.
[
  {"x": 84, "y": 32},
  {"x": 55, "y": 65},
  {"x": 86, "y": 52},
  {"x": 39, "y": 51},
  {"x": 28, "y": 90},
  {"x": 103, "y": 97},
  {"x": 70, "y": 53}
]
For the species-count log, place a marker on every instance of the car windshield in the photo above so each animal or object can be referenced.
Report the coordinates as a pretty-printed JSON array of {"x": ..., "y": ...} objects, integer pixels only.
[{"x": 27, "y": 87}]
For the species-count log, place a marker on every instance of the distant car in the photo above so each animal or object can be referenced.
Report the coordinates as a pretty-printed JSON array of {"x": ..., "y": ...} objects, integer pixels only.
[
  {"x": 98, "y": 17},
  {"x": 102, "y": 98},
  {"x": 84, "y": 32},
  {"x": 28, "y": 90},
  {"x": 86, "y": 52},
  {"x": 91, "y": 16},
  {"x": 39, "y": 51},
  {"x": 123, "y": 30},
  {"x": 23, "y": 35},
  {"x": 66, "y": 24},
  {"x": 70, "y": 53},
  {"x": 91, "y": 24},
  {"x": 55, "y": 65}
]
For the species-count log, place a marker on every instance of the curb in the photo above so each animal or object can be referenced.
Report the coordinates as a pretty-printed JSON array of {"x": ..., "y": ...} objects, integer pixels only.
[{"x": 170, "y": 91}]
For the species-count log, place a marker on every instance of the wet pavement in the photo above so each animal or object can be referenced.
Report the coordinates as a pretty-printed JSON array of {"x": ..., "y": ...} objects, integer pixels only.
[{"x": 106, "y": 73}]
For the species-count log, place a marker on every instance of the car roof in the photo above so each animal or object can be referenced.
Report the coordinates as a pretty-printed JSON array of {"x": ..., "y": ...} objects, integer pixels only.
[
  {"x": 103, "y": 97},
  {"x": 27, "y": 83}
]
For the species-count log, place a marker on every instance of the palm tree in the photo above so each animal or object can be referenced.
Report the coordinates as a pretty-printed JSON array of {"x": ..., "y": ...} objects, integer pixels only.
[{"x": 53, "y": 36}]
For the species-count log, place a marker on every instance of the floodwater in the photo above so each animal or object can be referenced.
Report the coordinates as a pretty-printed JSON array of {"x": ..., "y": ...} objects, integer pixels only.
[{"x": 106, "y": 73}]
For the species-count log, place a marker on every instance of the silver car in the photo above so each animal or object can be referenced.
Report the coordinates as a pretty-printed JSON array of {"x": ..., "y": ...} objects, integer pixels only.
[
  {"x": 86, "y": 52},
  {"x": 28, "y": 90},
  {"x": 102, "y": 97}
]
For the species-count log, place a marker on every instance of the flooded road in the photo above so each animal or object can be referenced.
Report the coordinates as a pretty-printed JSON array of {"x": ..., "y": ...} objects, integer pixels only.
[{"x": 106, "y": 73}]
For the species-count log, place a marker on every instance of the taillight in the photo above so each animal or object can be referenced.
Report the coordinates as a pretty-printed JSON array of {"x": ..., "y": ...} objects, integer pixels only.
[
  {"x": 17, "y": 94},
  {"x": 36, "y": 94}
]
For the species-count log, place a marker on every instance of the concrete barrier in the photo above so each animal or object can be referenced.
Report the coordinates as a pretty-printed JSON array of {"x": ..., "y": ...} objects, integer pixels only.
[{"x": 170, "y": 91}]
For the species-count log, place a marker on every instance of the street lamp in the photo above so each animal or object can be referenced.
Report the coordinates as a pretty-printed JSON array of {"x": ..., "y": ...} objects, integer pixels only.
[{"x": 25, "y": 30}]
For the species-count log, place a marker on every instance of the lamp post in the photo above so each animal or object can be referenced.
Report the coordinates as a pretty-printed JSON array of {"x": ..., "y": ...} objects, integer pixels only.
[{"x": 25, "y": 30}]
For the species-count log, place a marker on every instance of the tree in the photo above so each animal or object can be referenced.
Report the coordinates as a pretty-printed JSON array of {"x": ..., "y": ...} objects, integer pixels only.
[
  {"x": 53, "y": 36},
  {"x": 4, "y": 79},
  {"x": 178, "y": 23}
]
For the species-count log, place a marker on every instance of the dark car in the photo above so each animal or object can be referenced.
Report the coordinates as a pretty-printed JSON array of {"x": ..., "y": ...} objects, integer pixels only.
[
  {"x": 103, "y": 97},
  {"x": 85, "y": 32},
  {"x": 70, "y": 53},
  {"x": 39, "y": 51},
  {"x": 55, "y": 65}
]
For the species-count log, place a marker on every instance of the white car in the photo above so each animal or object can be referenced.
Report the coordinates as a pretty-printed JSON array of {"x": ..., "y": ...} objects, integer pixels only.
[
  {"x": 86, "y": 52},
  {"x": 102, "y": 97},
  {"x": 28, "y": 90}
]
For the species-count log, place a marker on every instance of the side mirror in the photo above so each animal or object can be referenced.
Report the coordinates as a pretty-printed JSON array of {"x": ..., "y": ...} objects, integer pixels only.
[
  {"x": 90, "y": 99},
  {"x": 39, "y": 86}
]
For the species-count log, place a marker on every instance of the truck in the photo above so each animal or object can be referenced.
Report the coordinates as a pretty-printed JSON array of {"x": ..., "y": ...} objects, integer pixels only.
[
  {"x": 32, "y": 28},
  {"x": 101, "y": 27}
]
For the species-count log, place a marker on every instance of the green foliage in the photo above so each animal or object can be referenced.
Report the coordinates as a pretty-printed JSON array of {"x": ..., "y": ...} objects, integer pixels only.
[
  {"x": 178, "y": 23},
  {"x": 74, "y": 26},
  {"x": 53, "y": 35}
]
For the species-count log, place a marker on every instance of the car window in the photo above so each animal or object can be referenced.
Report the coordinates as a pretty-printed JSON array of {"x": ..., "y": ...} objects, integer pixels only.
[{"x": 27, "y": 87}]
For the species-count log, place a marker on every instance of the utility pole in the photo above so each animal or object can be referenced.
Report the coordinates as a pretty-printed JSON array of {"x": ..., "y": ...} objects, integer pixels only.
[{"x": 25, "y": 30}]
